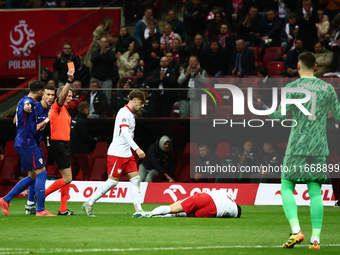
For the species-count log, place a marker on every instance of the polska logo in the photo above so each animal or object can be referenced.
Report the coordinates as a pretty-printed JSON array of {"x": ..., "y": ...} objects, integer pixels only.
[{"x": 21, "y": 39}]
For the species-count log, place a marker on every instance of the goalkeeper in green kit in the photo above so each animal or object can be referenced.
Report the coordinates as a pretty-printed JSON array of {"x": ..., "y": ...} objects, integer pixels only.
[{"x": 305, "y": 157}]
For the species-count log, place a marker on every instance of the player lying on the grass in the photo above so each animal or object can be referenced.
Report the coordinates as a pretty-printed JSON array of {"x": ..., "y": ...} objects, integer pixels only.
[
  {"x": 213, "y": 204},
  {"x": 307, "y": 147}
]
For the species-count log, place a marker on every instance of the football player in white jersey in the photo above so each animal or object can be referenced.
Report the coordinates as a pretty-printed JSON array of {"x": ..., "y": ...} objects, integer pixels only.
[
  {"x": 120, "y": 159},
  {"x": 213, "y": 204}
]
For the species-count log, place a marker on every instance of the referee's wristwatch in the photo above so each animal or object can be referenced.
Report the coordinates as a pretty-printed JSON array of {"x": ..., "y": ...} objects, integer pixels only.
[{"x": 68, "y": 81}]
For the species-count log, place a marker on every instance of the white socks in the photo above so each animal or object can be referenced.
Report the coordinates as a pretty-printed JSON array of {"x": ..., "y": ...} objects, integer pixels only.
[
  {"x": 102, "y": 189},
  {"x": 135, "y": 192},
  {"x": 163, "y": 209},
  {"x": 296, "y": 229}
]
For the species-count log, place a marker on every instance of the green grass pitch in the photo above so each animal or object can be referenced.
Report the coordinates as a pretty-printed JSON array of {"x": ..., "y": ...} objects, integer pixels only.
[{"x": 260, "y": 230}]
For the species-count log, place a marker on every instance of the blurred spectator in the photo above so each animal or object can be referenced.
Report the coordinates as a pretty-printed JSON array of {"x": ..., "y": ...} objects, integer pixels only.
[
  {"x": 124, "y": 40},
  {"x": 215, "y": 24},
  {"x": 270, "y": 32},
  {"x": 225, "y": 7},
  {"x": 172, "y": 62},
  {"x": 162, "y": 100},
  {"x": 231, "y": 161},
  {"x": 142, "y": 24},
  {"x": 167, "y": 38},
  {"x": 192, "y": 71},
  {"x": 197, "y": 48},
  {"x": 204, "y": 159},
  {"x": 142, "y": 81},
  {"x": 194, "y": 19},
  {"x": 287, "y": 33},
  {"x": 306, "y": 19},
  {"x": 60, "y": 64},
  {"x": 177, "y": 25},
  {"x": 250, "y": 26},
  {"x": 215, "y": 59},
  {"x": 83, "y": 74},
  {"x": 249, "y": 157},
  {"x": 78, "y": 96},
  {"x": 150, "y": 34},
  {"x": 128, "y": 61},
  {"x": 103, "y": 30},
  {"x": 225, "y": 39},
  {"x": 323, "y": 25},
  {"x": 52, "y": 83},
  {"x": 323, "y": 59},
  {"x": 121, "y": 97},
  {"x": 146, "y": 110},
  {"x": 272, "y": 159},
  {"x": 332, "y": 8},
  {"x": 81, "y": 142},
  {"x": 266, "y": 83},
  {"x": 97, "y": 101},
  {"x": 178, "y": 51},
  {"x": 158, "y": 162},
  {"x": 242, "y": 60},
  {"x": 46, "y": 75},
  {"x": 292, "y": 59},
  {"x": 103, "y": 60},
  {"x": 290, "y": 46},
  {"x": 151, "y": 57}
]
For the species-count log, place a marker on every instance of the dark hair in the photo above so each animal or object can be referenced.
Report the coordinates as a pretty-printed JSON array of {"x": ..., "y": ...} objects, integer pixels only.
[
  {"x": 69, "y": 44},
  {"x": 307, "y": 59},
  {"x": 152, "y": 21},
  {"x": 36, "y": 85},
  {"x": 239, "y": 210},
  {"x": 136, "y": 47},
  {"x": 318, "y": 42},
  {"x": 292, "y": 15},
  {"x": 82, "y": 106},
  {"x": 214, "y": 39},
  {"x": 263, "y": 70},
  {"x": 49, "y": 87},
  {"x": 136, "y": 93}
]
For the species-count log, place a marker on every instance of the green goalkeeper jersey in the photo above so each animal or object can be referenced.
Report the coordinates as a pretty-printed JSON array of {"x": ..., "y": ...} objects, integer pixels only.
[{"x": 308, "y": 137}]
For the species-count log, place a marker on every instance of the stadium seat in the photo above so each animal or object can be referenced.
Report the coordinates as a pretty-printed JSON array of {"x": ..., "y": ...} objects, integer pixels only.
[
  {"x": 275, "y": 67},
  {"x": 132, "y": 78},
  {"x": 98, "y": 172},
  {"x": 281, "y": 80},
  {"x": 269, "y": 57},
  {"x": 182, "y": 169},
  {"x": 10, "y": 164},
  {"x": 257, "y": 52},
  {"x": 191, "y": 149},
  {"x": 282, "y": 146},
  {"x": 97, "y": 162},
  {"x": 230, "y": 79},
  {"x": 223, "y": 112},
  {"x": 275, "y": 50},
  {"x": 222, "y": 150}
]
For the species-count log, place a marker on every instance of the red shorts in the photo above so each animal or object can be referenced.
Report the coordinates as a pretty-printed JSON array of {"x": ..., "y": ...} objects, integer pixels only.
[
  {"x": 118, "y": 166},
  {"x": 199, "y": 205}
]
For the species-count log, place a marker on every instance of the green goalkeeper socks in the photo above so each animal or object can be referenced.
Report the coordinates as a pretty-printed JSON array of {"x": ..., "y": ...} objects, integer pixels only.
[{"x": 289, "y": 204}]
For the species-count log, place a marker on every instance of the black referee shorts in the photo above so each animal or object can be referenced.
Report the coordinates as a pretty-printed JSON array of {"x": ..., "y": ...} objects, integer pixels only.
[{"x": 61, "y": 153}]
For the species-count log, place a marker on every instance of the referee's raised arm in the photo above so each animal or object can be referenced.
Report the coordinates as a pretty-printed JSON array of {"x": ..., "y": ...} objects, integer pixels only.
[{"x": 63, "y": 94}]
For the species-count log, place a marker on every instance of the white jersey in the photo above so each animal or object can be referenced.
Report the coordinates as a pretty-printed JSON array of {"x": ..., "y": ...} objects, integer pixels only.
[
  {"x": 225, "y": 205},
  {"x": 119, "y": 146}
]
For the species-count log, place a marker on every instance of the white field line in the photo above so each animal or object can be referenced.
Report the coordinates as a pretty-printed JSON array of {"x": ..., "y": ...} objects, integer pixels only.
[{"x": 6, "y": 251}]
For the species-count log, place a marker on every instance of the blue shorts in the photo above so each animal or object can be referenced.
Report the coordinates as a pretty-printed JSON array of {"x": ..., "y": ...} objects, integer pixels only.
[{"x": 31, "y": 158}]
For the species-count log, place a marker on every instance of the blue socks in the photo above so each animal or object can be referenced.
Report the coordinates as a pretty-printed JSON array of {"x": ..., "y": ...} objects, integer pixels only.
[
  {"x": 19, "y": 187},
  {"x": 31, "y": 193},
  {"x": 40, "y": 190}
]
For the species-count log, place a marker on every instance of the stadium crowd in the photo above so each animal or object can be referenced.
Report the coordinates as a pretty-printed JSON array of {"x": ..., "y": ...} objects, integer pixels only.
[{"x": 229, "y": 39}]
